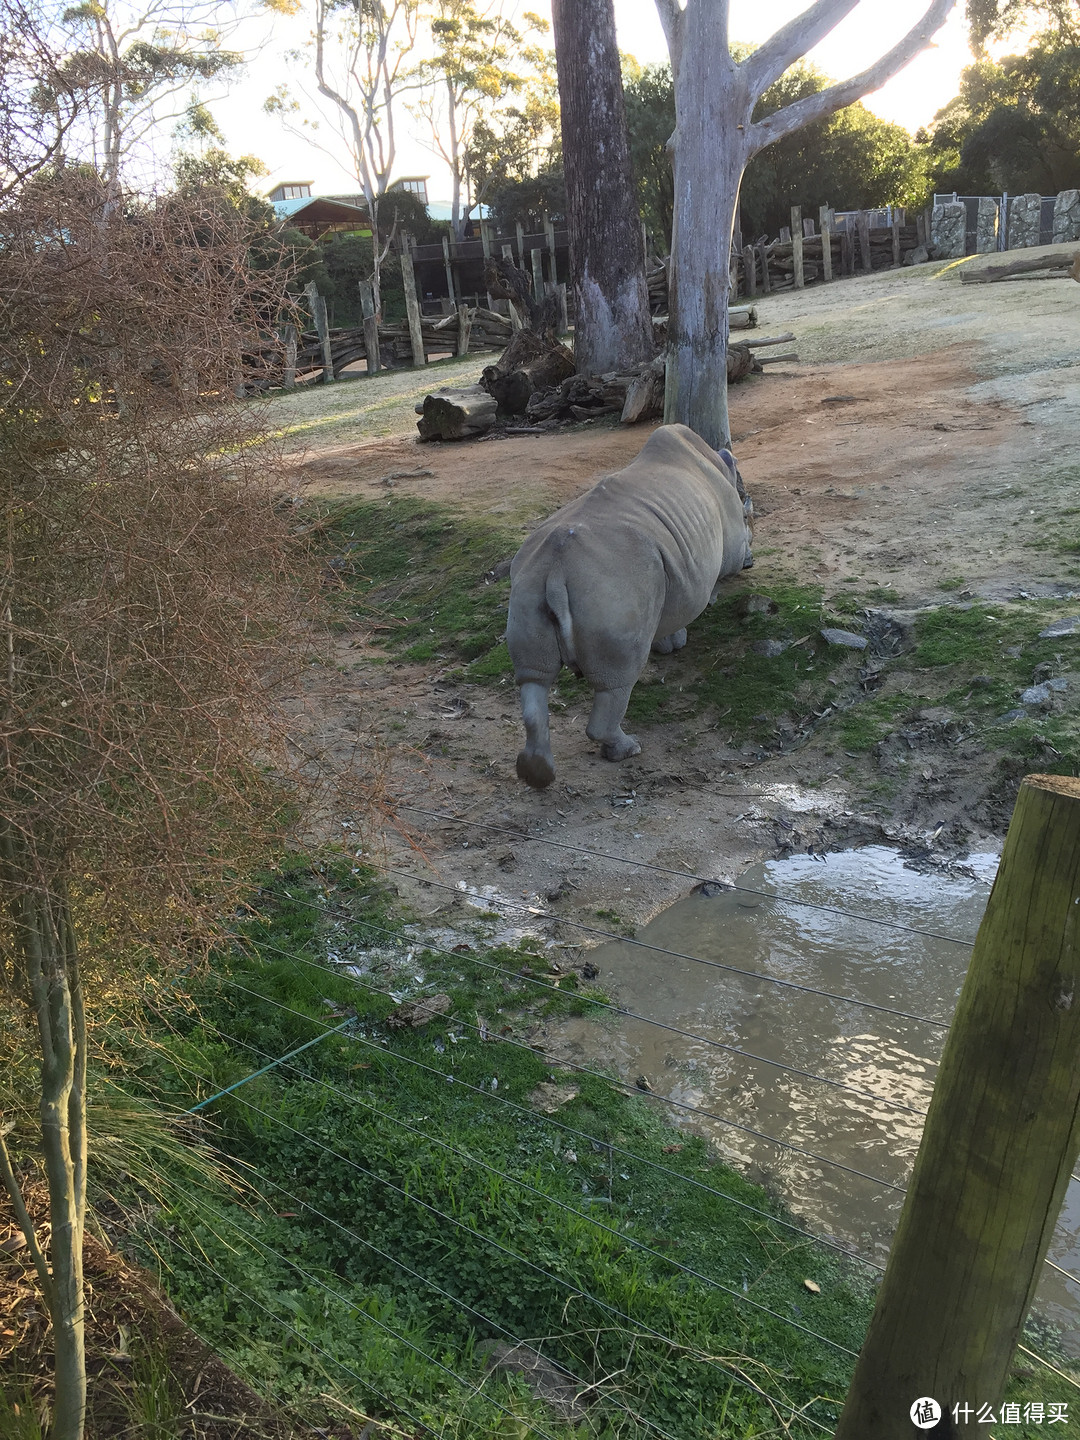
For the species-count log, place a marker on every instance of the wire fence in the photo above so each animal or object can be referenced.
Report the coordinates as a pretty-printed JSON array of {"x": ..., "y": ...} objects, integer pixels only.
[{"x": 294, "y": 1063}]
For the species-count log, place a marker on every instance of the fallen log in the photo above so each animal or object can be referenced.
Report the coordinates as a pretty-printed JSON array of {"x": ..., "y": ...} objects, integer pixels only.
[
  {"x": 1059, "y": 260},
  {"x": 456, "y": 414},
  {"x": 645, "y": 395}
]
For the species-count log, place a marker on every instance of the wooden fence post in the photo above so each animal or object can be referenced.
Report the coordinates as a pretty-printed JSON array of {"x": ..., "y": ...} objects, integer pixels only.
[
  {"x": 564, "y": 313},
  {"x": 537, "y": 259},
  {"x": 766, "y": 283},
  {"x": 519, "y": 231},
  {"x": 289, "y": 379},
  {"x": 847, "y": 249},
  {"x": 485, "y": 241},
  {"x": 1001, "y": 1138},
  {"x": 825, "y": 226},
  {"x": 464, "y": 326},
  {"x": 895, "y": 236},
  {"x": 449, "y": 272},
  {"x": 318, "y": 315},
  {"x": 864, "y": 240},
  {"x": 796, "y": 247},
  {"x": 515, "y": 314},
  {"x": 750, "y": 269},
  {"x": 371, "y": 328},
  {"x": 412, "y": 307},
  {"x": 549, "y": 232}
]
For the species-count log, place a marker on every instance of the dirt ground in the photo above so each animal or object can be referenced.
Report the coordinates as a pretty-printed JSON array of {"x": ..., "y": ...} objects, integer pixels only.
[{"x": 924, "y": 444}]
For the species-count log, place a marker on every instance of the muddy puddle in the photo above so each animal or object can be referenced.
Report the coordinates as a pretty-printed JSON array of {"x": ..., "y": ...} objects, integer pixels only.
[{"x": 837, "y": 1148}]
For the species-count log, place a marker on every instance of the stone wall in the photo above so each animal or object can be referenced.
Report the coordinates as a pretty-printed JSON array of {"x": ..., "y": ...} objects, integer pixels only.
[
  {"x": 948, "y": 225},
  {"x": 1025, "y": 212},
  {"x": 986, "y": 235},
  {"x": 1067, "y": 216}
]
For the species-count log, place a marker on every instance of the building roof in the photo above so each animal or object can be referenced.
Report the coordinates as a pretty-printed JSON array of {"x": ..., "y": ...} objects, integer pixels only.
[{"x": 317, "y": 214}]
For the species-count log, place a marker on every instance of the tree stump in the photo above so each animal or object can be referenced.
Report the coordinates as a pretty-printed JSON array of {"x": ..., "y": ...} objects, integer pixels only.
[{"x": 456, "y": 414}]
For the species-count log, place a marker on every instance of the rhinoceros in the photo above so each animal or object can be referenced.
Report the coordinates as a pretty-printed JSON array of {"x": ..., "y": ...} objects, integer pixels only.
[{"x": 622, "y": 569}]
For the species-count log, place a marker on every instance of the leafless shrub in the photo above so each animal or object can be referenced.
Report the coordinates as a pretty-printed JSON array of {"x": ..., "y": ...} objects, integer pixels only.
[{"x": 152, "y": 602}]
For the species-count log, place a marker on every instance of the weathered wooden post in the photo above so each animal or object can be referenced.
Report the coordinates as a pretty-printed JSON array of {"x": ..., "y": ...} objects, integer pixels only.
[
  {"x": 825, "y": 225},
  {"x": 895, "y": 236},
  {"x": 371, "y": 327},
  {"x": 750, "y": 270},
  {"x": 564, "y": 314},
  {"x": 766, "y": 283},
  {"x": 549, "y": 232},
  {"x": 1001, "y": 1138},
  {"x": 796, "y": 247},
  {"x": 464, "y": 327},
  {"x": 289, "y": 378},
  {"x": 412, "y": 307},
  {"x": 318, "y": 315},
  {"x": 515, "y": 316},
  {"x": 537, "y": 259},
  {"x": 450, "y": 290},
  {"x": 485, "y": 241},
  {"x": 864, "y": 240},
  {"x": 519, "y": 231},
  {"x": 847, "y": 248}
]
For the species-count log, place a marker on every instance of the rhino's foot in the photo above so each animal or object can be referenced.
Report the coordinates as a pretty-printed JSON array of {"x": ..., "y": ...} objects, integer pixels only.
[
  {"x": 535, "y": 770},
  {"x": 665, "y": 646},
  {"x": 620, "y": 749}
]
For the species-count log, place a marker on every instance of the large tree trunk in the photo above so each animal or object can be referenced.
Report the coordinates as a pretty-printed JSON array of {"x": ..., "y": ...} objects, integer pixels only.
[
  {"x": 613, "y": 330},
  {"x": 712, "y": 115}
]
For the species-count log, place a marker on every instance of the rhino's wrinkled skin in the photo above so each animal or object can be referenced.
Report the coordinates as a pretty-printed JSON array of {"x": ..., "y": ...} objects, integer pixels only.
[{"x": 622, "y": 569}]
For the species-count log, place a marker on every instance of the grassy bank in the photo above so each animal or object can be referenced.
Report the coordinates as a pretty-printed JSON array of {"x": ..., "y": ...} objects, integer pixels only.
[{"x": 408, "y": 1202}]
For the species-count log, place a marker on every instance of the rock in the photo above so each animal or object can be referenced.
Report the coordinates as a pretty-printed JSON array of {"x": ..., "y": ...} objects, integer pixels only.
[
  {"x": 548, "y": 1097},
  {"x": 550, "y": 1383},
  {"x": 890, "y": 632},
  {"x": 1036, "y": 695},
  {"x": 919, "y": 256},
  {"x": 843, "y": 637},
  {"x": 1061, "y": 627},
  {"x": 1042, "y": 672},
  {"x": 415, "y": 1013},
  {"x": 948, "y": 231},
  {"x": 1010, "y": 716},
  {"x": 1066, "y": 217},
  {"x": 769, "y": 648},
  {"x": 1057, "y": 684},
  {"x": 986, "y": 227},
  {"x": 1025, "y": 221},
  {"x": 755, "y": 605}
]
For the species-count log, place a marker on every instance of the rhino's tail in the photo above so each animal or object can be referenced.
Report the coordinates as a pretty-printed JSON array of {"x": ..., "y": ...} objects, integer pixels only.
[{"x": 558, "y": 602}]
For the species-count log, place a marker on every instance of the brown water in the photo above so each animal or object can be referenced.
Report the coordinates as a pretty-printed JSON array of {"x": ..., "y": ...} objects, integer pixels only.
[{"x": 886, "y": 1061}]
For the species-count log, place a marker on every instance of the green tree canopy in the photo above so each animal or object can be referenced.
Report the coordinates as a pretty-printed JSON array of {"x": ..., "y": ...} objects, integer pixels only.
[
  {"x": 1015, "y": 124},
  {"x": 852, "y": 160}
]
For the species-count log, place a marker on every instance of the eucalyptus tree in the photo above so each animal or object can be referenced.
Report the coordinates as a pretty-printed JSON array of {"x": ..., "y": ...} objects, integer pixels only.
[
  {"x": 480, "y": 62},
  {"x": 613, "y": 329},
  {"x": 363, "y": 58},
  {"x": 715, "y": 137}
]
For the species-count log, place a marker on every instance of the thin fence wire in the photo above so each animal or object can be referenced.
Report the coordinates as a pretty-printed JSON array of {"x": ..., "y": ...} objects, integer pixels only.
[
  {"x": 622, "y": 1236},
  {"x": 586, "y": 1387},
  {"x": 304, "y": 1340},
  {"x": 537, "y": 1116},
  {"x": 262, "y": 1247},
  {"x": 622, "y": 1011},
  {"x": 580, "y": 1069},
  {"x": 688, "y": 875},
  {"x": 575, "y": 1290},
  {"x": 540, "y": 914}
]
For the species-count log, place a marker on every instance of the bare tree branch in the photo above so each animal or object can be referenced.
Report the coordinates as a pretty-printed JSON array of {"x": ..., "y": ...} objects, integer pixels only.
[
  {"x": 671, "y": 19},
  {"x": 769, "y": 61},
  {"x": 825, "y": 102}
]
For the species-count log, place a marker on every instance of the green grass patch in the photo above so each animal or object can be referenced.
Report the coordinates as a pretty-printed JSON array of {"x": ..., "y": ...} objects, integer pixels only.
[
  {"x": 379, "y": 1146},
  {"x": 415, "y": 572}
]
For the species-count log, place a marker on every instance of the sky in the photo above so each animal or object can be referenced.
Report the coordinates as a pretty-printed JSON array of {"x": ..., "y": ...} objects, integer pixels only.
[{"x": 910, "y": 99}]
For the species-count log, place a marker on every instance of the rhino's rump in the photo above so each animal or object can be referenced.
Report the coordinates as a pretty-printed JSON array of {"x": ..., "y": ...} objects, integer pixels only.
[{"x": 607, "y": 574}]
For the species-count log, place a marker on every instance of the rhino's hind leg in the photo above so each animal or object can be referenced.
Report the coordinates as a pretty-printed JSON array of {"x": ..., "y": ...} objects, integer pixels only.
[
  {"x": 605, "y": 724},
  {"x": 665, "y": 644},
  {"x": 535, "y": 764}
]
